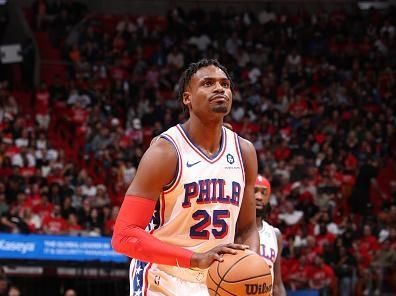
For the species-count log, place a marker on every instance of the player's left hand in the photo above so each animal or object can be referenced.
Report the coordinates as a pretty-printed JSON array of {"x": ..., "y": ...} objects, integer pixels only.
[{"x": 204, "y": 260}]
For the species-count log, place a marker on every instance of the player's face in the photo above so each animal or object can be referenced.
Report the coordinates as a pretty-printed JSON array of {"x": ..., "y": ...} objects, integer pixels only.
[
  {"x": 261, "y": 195},
  {"x": 209, "y": 91}
]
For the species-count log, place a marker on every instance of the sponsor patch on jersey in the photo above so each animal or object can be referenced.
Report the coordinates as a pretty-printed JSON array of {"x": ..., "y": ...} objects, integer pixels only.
[{"x": 230, "y": 158}]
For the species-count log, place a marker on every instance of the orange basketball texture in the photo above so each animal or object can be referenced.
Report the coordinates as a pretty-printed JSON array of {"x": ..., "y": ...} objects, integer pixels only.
[{"x": 245, "y": 273}]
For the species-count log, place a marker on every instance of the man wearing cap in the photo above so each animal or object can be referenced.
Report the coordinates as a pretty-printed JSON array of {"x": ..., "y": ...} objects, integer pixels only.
[{"x": 270, "y": 237}]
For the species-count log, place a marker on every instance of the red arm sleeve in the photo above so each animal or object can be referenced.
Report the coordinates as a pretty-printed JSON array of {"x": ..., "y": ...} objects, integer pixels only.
[{"x": 131, "y": 239}]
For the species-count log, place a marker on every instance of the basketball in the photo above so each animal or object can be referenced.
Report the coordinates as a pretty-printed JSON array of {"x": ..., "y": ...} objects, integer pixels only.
[{"x": 245, "y": 273}]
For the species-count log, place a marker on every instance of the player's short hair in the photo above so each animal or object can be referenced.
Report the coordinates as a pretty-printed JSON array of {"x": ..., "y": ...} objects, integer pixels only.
[{"x": 192, "y": 69}]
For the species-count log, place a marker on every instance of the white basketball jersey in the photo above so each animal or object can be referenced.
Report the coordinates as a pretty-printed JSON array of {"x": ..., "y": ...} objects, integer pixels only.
[
  {"x": 199, "y": 210},
  {"x": 268, "y": 246}
]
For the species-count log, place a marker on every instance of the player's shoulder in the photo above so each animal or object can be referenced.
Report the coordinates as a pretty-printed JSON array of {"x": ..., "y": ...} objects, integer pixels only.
[
  {"x": 274, "y": 229},
  {"x": 155, "y": 139},
  {"x": 247, "y": 148},
  {"x": 166, "y": 142},
  {"x": 161, "y": 149},
  {"x": 278, "y": 235},
  {"x": 249, "y": 157},
  {"x": 159, "y": 161},
  {"x": 245, "y": 143},
  {"x": 166, "y": 135}
]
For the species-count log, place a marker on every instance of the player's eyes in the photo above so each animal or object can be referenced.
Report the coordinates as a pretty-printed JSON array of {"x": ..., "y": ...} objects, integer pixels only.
[{"x": 209, "y": 83}]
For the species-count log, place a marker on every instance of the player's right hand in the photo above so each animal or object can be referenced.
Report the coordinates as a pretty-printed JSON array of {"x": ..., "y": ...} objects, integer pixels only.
[{"x": 204, "y": 260}]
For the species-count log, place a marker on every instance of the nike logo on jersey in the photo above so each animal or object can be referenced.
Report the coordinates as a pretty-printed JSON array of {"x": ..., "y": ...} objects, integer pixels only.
[{"x": 189, "y": 165}]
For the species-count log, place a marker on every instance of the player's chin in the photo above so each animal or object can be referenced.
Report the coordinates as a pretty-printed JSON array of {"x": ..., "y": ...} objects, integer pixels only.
[{"x": 221, "y": 109}]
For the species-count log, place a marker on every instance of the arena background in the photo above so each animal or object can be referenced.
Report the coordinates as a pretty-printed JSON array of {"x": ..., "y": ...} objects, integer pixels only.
[{"x": 85, "y": 85}]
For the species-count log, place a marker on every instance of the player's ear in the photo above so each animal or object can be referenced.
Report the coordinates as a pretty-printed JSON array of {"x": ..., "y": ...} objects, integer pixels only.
[{"x": 187, "y": 98}]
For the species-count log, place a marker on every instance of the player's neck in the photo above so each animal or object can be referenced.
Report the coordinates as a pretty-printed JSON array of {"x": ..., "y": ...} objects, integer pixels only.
[{"x": 206, "y": 135}]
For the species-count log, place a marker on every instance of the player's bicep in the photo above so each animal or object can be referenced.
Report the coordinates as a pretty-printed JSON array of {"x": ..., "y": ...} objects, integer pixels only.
[{"x": 156, "y": 169}]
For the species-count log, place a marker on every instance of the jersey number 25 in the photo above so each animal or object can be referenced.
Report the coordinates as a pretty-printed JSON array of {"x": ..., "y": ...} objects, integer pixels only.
[{"x": 220, "y": 226}]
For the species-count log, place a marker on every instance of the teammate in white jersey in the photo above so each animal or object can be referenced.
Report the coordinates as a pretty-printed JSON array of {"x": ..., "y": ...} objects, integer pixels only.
[
  {"x": 270, "y": 237},
  {"x": 192, "y": 198}
]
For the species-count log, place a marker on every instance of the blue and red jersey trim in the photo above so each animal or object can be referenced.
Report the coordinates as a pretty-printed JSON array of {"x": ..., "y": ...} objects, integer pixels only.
[{"x": 198, "y": 150}]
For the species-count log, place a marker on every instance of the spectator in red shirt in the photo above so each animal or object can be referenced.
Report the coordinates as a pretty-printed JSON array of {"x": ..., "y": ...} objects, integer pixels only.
[
  {"x": 282, "y": 152},
  {"x": 55, "y": 224},
  {"x": 78, "y": 114},
  {"x": 366, "y": 246},
  {"x": 33, "y": 197},
  {"x": 55, "y": 178},
  {"x": 321, "y": 276},
  {"x": 365, "y": 250},
  {"x": 43, "y": 208},
  {"x": 299, "y": 274},
  {"x": 298, "y": 107},
  {"x": 312, "y": 249}
]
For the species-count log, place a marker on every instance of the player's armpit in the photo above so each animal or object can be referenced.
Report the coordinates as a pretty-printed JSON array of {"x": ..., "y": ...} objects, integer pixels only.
[{"x": 131, "y": 239}]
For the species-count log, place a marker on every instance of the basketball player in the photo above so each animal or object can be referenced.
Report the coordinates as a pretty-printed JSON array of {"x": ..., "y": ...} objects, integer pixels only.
[
  {"x": 192, "y": 196},
  {"x": 270, "y": 237}
]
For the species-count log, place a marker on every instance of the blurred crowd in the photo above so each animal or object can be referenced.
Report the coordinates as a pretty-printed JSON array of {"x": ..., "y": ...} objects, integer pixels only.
[
  {"x": 8, "y": 288},
  {"x": 313, "y": 91}
]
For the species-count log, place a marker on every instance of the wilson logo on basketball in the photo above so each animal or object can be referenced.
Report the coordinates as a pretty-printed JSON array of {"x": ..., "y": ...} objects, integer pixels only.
[{"x": 257, "y": 289}]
